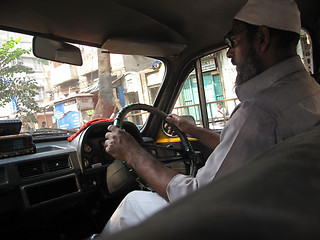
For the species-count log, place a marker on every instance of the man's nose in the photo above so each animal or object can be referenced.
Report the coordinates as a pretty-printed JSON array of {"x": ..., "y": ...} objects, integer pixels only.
[{"x": 229, "y": 53}]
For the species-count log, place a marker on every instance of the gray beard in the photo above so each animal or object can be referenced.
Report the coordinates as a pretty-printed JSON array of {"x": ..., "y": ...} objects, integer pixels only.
[{"x": 250, "y": 69}]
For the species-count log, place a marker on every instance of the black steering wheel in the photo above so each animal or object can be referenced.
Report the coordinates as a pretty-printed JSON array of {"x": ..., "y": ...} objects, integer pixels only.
[{"x": 189, "y": 155}]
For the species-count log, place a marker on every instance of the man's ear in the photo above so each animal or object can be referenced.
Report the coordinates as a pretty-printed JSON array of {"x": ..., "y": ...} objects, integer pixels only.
[{"x": 263, "y": 38}]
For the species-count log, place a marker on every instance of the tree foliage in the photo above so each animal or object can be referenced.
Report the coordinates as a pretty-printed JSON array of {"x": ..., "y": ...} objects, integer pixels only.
[{"x": 15, "y": 82}]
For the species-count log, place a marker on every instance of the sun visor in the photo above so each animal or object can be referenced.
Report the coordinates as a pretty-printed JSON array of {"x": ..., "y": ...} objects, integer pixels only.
[{"x": 143, "y": 47}]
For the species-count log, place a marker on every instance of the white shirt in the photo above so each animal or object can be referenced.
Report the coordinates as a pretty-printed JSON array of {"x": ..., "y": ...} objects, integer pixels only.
[
  {"x": 279, "y": 103},
  {"x": 221, "y": 113}
]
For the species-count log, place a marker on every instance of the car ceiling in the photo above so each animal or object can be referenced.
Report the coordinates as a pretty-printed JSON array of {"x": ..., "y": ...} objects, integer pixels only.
[{"x": 197, "y": 25}]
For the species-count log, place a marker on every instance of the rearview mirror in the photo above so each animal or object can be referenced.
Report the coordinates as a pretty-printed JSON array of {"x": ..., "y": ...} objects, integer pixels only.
[{"x": 56, "y": 51}]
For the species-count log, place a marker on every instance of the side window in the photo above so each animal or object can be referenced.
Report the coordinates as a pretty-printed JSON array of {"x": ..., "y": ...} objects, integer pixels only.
[
  {"x": 188, "y": 100},
  {"x": 218, "y": 76},
  {"x": 304, "y": 50}
]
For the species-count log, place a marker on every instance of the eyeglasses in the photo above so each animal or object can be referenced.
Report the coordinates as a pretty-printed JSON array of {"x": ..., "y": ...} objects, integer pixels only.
[{"x": 229, "y": 40}]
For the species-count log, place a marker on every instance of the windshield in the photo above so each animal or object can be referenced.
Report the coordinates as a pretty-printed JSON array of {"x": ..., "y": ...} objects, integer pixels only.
[{"x": 45, "y": 94}]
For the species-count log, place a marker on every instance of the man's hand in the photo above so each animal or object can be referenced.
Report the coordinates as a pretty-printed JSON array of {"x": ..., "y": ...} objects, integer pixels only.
[
  {"x": 121, "y": 144},
  {"x": 205, "y": 136},
  {"x": 183, "y": 124}
]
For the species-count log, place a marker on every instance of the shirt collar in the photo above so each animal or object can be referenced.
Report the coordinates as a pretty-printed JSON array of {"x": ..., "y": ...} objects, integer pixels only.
[{"x": 267, "y": 78}]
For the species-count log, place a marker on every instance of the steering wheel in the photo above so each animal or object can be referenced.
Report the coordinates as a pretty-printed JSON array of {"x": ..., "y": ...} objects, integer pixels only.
[{"x": 190, "y": 155}]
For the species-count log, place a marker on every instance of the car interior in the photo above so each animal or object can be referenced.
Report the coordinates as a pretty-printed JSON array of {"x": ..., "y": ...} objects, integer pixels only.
[{"x": 60, "y": 189}]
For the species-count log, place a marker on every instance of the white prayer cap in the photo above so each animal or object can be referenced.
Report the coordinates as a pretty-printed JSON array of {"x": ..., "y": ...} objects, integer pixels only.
[{"x": 278, "y": 14}]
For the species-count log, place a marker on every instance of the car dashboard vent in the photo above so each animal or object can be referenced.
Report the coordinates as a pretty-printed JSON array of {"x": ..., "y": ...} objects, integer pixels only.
[
  {"x": 58, "y": 163},
  {"x": 36, "y": 168},
  {"x": 30, "y": 169}
]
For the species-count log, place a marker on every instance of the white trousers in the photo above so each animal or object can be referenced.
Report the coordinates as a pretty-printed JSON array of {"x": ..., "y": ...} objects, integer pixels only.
[{"x": 134, "y": 208}]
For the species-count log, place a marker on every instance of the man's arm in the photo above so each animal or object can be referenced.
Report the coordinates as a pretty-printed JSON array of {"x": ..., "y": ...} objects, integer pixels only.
[
  {"x": 205, "y": 136},
  {"x": 123, "y": 147}
]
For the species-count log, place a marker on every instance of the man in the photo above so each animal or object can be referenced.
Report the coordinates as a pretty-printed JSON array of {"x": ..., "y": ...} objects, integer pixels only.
[
  {"x": 278, "y": 98},
  {"x": 221, "y": 112}
]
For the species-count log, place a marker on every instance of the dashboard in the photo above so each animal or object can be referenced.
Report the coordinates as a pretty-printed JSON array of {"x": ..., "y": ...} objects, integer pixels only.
[
  {"x": 30, "y": 180},
  {"x": 62, "y": 187},
  {"x": 73, "y": 183},
  {"x": 58, "y": 170}
]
